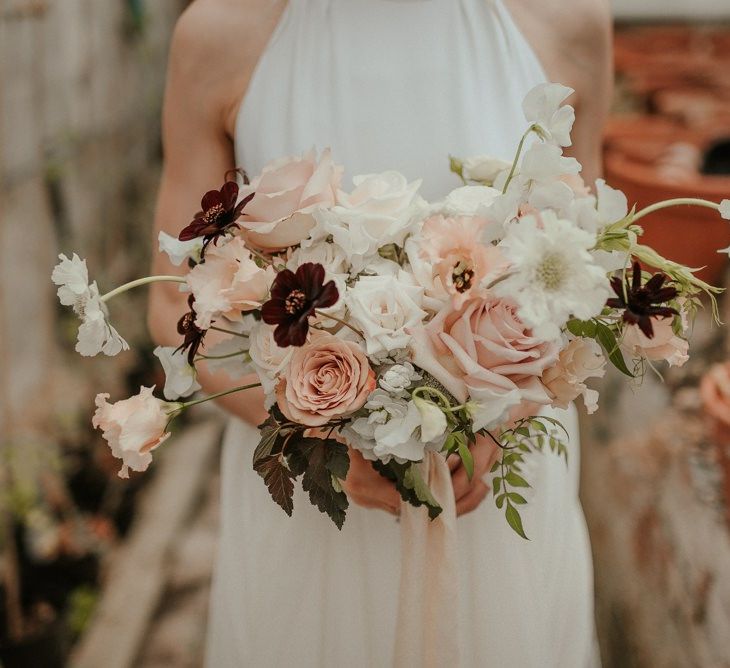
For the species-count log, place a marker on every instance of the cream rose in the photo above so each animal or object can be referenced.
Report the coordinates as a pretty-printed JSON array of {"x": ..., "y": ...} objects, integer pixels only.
[
  {"x": 379, "y": 211},
  {"x": 580, "y": 360},
  {"x": 664, "y": 345},
  {"x": 482, "y": 352},
  {"x": 326, "y": 378},
  {"x": 132, "y": 427},
  {"x": 288, "y": 191},
  {"x": 228, "y": 283}
]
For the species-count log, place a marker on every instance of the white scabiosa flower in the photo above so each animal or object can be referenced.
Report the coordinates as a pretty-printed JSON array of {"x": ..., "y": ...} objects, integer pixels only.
[
  {"x": 553, "y": 276},
  {"x": 179, "y": 251},
  {"x": 398, "y": 378},
  {"x": 180, "y": 377},
  {"x": 95, "y": 334},
  {"x": 543, "y": 106}
]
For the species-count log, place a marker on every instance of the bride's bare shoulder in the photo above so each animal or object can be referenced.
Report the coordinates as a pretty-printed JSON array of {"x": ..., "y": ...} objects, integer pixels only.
[{"x": 215, "y": 47}]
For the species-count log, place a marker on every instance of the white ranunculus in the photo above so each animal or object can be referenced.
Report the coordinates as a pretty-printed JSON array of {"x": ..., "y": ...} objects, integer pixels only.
[
  {"x": 268, "y": 358},
  {"x": 384, "y": 307},
  {"x": 95, "y": 334},
  {"x": 483, "y": 168},
  {"x": 398, "y": 378},
  {"x": 180, "y": 377},
  {"x": 379, "y": 211},
  {"x": 543, "y": 106},
  {"x": 553, "y": 276},
  {"x": 179, "y": 251}
]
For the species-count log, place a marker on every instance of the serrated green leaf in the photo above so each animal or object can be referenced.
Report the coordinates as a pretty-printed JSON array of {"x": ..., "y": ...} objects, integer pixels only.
[
  {"x": 515, "y": 480},
  {"x": 410, "y": 485},
  {"x": 514, "y": 520},
  {"x": 516, "y": 498},
  {"x": 270, "y": 436},
  {"x": 279, "y": 481},
  {"x": 608, "y": 341},
  {"x": 467, "y": 459},
  {"x": 500, "y": 500}
]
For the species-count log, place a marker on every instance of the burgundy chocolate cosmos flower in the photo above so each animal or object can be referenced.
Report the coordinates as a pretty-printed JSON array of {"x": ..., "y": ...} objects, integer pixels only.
[
  {"x": 642, "y": 302},
  {"x": 294, "y": 298},
  {"x": 220, "y": 213},
  {"x": 187, "y": 328}
]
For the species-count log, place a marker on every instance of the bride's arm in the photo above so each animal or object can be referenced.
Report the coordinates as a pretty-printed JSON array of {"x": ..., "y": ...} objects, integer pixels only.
[{"x": 197, "y": 153}]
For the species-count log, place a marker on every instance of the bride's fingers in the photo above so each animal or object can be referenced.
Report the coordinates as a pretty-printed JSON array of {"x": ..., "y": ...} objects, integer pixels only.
[
  {"x": 473, "y": 498},
  {"x": 453, "y": 461}
]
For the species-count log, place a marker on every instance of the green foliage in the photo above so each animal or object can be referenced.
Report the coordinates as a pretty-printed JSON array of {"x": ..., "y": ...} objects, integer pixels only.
[
  {"x": 410, "y": 484},
  {"x": 526, "y": 437},
  {"x": 604, "y": 335}
]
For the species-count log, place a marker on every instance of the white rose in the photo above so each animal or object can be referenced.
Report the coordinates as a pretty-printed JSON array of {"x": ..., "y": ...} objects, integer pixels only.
[
  {"x": 268, "y": 358},
  {"x": 180, "y": 377},
  {"x": 483, "y": 168},
  {"x": 384, "y": 307},
  {"x": 379, "y": 211},
  {"x": 468, "y": 201}
]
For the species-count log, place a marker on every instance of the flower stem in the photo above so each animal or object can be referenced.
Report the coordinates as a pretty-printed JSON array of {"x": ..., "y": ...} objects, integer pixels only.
[
  {"x": 679, "y": 201},
  {"x": 342, "y": 322},
  {"x": 217, "y": 395},
  {"x": 139, "y": 282},
  {"x": 220, "y": 357},
  {"x": 228, "y": 331},
  {"x": 520, "y": 146}
]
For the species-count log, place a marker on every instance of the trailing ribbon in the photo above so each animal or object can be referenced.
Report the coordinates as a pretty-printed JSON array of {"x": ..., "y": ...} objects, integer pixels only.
[{"x": 428, "y": 607}]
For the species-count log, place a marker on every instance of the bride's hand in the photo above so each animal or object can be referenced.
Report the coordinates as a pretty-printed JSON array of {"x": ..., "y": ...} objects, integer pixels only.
[
  {"x": 470, "y": 493},
  {"x": 366, "y": 487}
]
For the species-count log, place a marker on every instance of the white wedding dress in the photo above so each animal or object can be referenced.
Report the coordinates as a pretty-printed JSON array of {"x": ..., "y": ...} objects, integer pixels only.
[{"x": 393, "y": 84}]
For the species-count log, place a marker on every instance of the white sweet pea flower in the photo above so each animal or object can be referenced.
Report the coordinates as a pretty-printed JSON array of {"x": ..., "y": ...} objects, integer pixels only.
[
  {"x": 179, "y": 251},
  {"x": 398, "y": 378},
  {"x": 133, "y": 427},
  {"x": 543, "y": 107},
  {"x": 384, "y": 308},
  {"x": 95, "y": 334},
  {"x": 180, "y": 377},
  {"x": 433, "y": 419},
  {"x": 543, "y": 162},
  {"x": 554, "y": 276},
  {"x": 725, "y": 209},
  {"x": 611, "y": 204},
  {"x": 483, "y": 168}
]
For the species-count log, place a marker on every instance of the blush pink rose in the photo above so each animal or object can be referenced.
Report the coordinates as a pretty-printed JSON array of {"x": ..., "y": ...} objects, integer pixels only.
[
  {"x": 580, "y": 360},
  {"x": 664, "y": 345},
  {"x": 326, "y": 378},
  {"x": 228, "y": 283},
  {"x": 461, "y": 263},
  {"x": 132, "y": 427},
  {"x": 288, "y": 191},
  {"x": 484, "y": 353}
]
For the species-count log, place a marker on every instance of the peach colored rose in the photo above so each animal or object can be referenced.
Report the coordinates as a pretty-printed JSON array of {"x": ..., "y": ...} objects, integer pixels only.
[
  {"x": 132, "y": 427},
  {"x": 664, "y": 345},
  {"x": 228, "y": 283},
  {"x": 288, "y": 191},
  {"x": 326, "y": 378},
  {"x": 460, "y": 262},
  {"x": 482, "y": 352},
  {"x": 715, "y": 392},
  {"x": 580, "y": 360}
]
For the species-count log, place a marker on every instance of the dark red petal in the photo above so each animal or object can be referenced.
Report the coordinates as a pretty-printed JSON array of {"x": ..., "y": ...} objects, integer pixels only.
[
  {"x": 284, "y": 283},
  {"x": 192, "y": 231},
  {"x": 615, "y": 303},
  {"x": 329, "y": 295},
  {"x": 274, "y": 313},
  {"x": 241, "y": 205},
  {"x": 310, "y": 277},
  {"x": 618, "y": 286},
  {"x": 646, "y": 326},
  {"x": 655, "y": 282},
  {"x": 210, "y": 199},
  {"x": 661, "y": 311},
  {"x": 229, "y": 195},
  {"x": 636, "y": 276},
  {"x": 298, "y": 332},
  {"x": 664, "y": 295}
]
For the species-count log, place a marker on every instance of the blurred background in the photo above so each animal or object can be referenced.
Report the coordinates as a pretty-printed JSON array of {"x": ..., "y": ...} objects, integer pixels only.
[{"x": 117, "y": 573}]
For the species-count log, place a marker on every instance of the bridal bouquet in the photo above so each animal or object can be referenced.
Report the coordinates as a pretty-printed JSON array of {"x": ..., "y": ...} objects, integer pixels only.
[{"x": 405, "y": 328}]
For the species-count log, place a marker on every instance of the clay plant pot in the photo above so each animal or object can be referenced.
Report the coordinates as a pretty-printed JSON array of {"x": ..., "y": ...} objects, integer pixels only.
[
  {"x": 689, "y": 235},
  {"x": 45, "y": 648},
  {"x": 695, "y": 107},
  {"x": 645, "y": 138}
]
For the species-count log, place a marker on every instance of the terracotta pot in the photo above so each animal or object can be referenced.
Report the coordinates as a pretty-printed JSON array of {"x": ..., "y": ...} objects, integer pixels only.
[
  {"x": 695, "y": 107},
  {"x": 645, "y": 138},
  {"x": 689, "y": 235}
]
